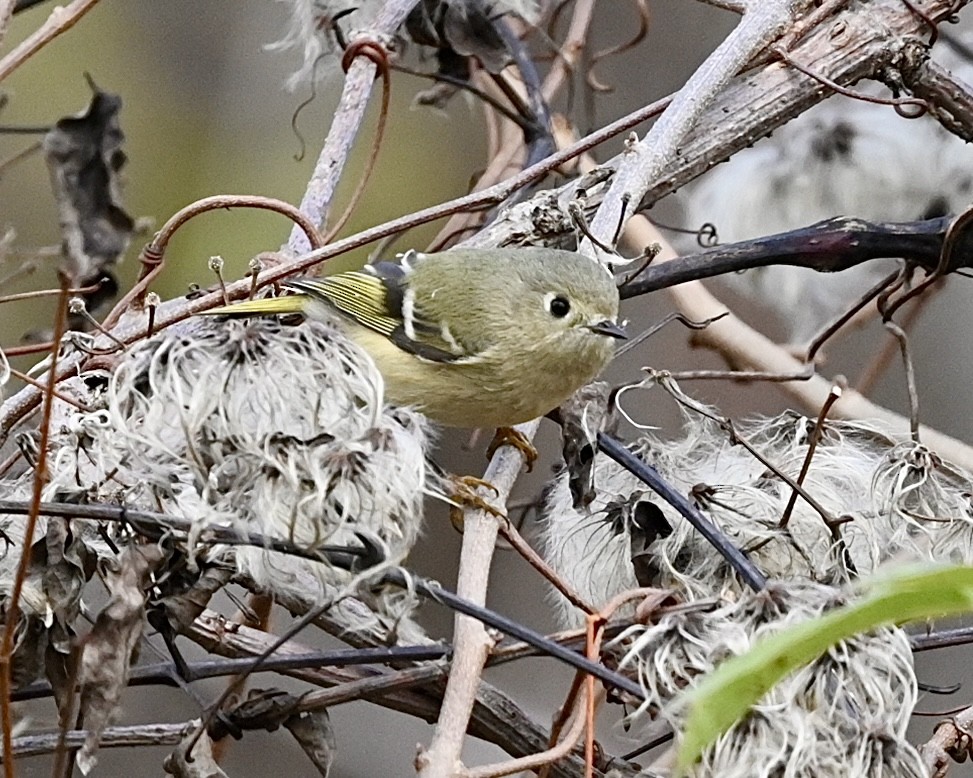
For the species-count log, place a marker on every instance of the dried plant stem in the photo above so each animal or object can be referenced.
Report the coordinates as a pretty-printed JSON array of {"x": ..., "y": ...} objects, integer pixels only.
[
  {"x": 112, "y": 737},
  {"x": 645, "y": 162},
  {"x": 348, "y": 119},
  {"x": 948, "y": 738},
  {"x": 880, "y": 362},
  {"x": 471, "y": 642},
  {"x": 61, "y": 20},
  {"x": 535, "y": 560}
]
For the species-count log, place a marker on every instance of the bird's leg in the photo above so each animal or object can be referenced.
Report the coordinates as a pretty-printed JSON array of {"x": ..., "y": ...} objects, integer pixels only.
[
  {"x": 508, "y": 436},
  {"x": 464, "y": 496}
]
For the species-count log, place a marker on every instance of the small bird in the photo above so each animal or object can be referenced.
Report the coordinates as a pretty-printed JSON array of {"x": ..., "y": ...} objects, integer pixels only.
[{"x": 471, "y": 337}]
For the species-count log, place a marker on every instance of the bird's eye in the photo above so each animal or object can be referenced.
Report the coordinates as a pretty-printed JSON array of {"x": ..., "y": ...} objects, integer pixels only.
[{"x": 559, "y": 307}]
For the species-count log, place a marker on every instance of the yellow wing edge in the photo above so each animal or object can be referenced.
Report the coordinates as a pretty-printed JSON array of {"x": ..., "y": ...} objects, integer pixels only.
[{"x": 266, "y": 306}]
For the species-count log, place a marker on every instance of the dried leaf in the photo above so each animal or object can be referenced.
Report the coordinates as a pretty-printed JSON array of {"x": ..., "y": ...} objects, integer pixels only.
[
  {"x": 263, "y": 709},
  {"x": 200, "y": 764},
  {"x": 66, "y": 569},
  {"x": 463, "y": 29},
  {"x": 582, "y": 417},
  {"x": 112, "y": 644},
  {"x": 315, "y": 735},
  {"x": 84, "y": 155},
  {"x": 186, "y": 599}
]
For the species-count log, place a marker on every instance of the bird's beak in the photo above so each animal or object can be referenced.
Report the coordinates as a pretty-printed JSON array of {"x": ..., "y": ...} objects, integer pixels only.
[{"x": 609, "y": 328}]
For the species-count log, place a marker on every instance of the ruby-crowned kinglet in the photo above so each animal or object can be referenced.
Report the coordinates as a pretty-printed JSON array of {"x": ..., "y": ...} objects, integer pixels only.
[{"x": 471, "y": 337}]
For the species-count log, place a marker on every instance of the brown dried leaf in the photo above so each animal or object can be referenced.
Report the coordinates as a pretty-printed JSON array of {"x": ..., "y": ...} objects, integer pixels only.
[
  {"x": 262, "y": 709},
  {"x": 189, "y": 598},
  {"x": 315, "y": 735},
  {"x": 112, "y": 644},
  {"x": 201, "y": 763},
  {"x": 464, "y": 29},
  {"x": 66, "y": 569},
  {"x": 84, "y": 155}
]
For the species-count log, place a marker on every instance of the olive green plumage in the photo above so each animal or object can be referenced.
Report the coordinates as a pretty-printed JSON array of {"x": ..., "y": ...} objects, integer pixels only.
[{"x": 471, "y": 337}]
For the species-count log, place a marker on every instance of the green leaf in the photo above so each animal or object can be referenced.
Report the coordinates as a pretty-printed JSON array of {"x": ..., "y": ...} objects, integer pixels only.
[{"x": 912, "y": 593}]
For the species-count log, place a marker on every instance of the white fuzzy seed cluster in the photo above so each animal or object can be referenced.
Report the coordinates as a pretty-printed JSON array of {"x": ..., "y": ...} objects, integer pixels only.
[
  {"x": 261, "y": 427},
  {"x": 893, "y": 500},
  {"x": 886, "y": 500},
  {"x": 845, "y": 714}
]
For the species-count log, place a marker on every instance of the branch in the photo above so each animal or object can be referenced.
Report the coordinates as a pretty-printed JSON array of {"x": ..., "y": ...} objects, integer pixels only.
[
  {"x": 950, "y": 100},
  {"x": 471, "y": 643},
  {"x": 347, "y": 122},
  {"x": 112, "y": 737},
  {"x": 645, "y": 162},
  {"x": 60, "y": 21},
  {"x": 950, "y": 742},
  {"x": 828, "y": 247}
]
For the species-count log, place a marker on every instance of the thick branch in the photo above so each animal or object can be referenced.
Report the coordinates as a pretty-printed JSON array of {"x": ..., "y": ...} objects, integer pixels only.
[
  {"x": 645, "y": 162},
  {"x": 864, "y": 41},
  {"x": 828, "y": 247}
]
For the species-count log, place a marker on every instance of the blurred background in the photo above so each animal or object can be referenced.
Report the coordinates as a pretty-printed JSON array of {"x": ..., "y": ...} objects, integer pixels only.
[{"x": 206, "y": 112}]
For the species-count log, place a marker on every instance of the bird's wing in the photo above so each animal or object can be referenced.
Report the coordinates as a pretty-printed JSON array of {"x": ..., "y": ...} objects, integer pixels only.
[{"x": 379, "y": 297}]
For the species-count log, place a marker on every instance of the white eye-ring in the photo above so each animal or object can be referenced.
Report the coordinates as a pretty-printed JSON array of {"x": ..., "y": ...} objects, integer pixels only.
[{"x": 557, "y": 305}]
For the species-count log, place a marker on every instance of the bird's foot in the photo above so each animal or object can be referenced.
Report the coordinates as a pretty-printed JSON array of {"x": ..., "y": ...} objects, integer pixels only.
[
  {"x": 508, "y": 436},
  {"x": 464, "y": 495}
]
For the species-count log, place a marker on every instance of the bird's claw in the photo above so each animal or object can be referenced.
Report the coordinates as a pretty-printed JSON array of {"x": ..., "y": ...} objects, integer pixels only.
[
  {"x": 509, "y": 436},
  {"x": 464, "y": 496}
]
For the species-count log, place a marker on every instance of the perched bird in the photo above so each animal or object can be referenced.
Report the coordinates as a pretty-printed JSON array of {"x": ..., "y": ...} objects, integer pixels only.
[{"x": 471, "y": 337}]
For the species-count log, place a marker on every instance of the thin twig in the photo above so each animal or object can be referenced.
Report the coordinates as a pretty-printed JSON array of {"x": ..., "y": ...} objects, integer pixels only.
[
  {"x": 60, "y": 21},
  {"x": 812, "y": 445},
  {"x": 535, "y": 560},
  {"x": 12, "y": 609},
  {"x": 910, "y": 376},
  {"x": 880, "y": 362}
]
